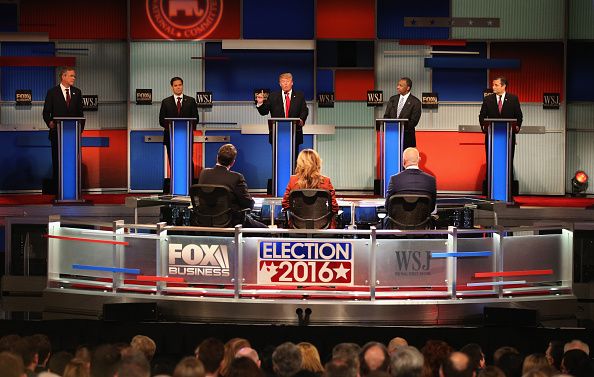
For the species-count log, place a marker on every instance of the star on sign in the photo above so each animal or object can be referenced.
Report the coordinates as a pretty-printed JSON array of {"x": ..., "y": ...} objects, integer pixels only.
[
  {"x": 490, "y": 23},
  {"x": 341, "y": 272},
  {"x": 470, "y": 22}
]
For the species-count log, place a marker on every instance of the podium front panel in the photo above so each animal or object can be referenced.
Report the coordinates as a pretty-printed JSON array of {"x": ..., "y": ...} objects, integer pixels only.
[
  {"x": 181, "y": 135},
  {"x": 283, "y": 156},
  {"x": 392, "y": 148},
  {"x": 500, "y": 164},
  {"x": 69, "y": 149}
]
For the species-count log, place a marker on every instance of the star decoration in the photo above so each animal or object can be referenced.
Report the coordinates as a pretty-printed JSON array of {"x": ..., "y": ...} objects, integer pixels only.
[
  {"x": 341, "y": 272},
  {"x": 470, "y": 22}
]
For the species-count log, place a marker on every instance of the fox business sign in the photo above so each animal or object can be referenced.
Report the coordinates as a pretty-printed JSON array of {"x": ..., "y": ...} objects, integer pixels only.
[{"x": 198, "y": 260}]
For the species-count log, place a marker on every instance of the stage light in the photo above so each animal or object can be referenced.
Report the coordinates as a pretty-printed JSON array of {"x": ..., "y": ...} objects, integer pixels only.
[{"x": 579, "y": 183}]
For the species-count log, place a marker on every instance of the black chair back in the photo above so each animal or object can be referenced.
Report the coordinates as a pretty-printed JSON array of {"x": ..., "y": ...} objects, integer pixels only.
[
  {"x": 310, "y": 209},
  {"x": 212, "y": 206},
  {"x": 409, "y": 211}
]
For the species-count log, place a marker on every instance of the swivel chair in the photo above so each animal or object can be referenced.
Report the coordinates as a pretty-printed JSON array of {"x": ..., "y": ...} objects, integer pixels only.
[
  {"x": 310, "y": 209},
  {"x": 409, "y": 211}
]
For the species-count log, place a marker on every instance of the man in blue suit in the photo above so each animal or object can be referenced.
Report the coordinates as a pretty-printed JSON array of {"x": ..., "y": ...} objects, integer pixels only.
[{"x": 412, "y": 180}]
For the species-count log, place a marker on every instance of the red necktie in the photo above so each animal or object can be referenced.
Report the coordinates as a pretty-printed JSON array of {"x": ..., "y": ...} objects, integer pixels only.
[
  {"x": 287, "y": 104},
  {"x": 67, "y": 97},
  {"x": 499, "y": 104},
  {"x": 178, "y": 105}
]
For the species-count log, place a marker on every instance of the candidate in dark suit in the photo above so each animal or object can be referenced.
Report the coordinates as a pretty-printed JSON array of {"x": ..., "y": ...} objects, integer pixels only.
[
  {"x": 63, "y": 100},
  {"x": 222, "y": 174},
  {"x": 405, "y": 106},
  {"x": 176, "y": 106},
  {"x": 412, "y": 180},
  {"x": 286, "y": 103}
]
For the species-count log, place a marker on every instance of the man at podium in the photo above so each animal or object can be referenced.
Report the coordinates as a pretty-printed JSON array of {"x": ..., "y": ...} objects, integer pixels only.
[
  {"x": 405, "y": 106},
  {"x": 287, "y": 103},
  {"x": 63, "y": 100}
]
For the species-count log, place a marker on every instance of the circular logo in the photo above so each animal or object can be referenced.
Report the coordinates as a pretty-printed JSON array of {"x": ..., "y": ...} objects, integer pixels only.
[{"x": 184, "y": 19}]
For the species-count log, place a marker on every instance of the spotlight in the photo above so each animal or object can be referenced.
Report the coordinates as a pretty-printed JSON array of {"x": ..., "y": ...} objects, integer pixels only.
[{"x": 579, "y": 183}]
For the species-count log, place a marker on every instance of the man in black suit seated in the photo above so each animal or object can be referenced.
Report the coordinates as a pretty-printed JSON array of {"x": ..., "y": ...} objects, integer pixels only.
[
  {"x": 405, "y": 106},
  {"x": 222, "y": 174},
  {"x": 63, "y": 100},
  {"x": 287, "y": 103},
  {"x": 412, "y": 180},
  {"x": 177, "y": 105}
]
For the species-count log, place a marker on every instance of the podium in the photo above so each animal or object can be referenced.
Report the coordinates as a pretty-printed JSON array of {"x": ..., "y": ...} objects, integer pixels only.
[
  {"x": 181, "y": 138},
  {"x": 69, "y": 142},
  {"x": 499, "y": 158},
  {"x": 282, "y": 132},
  {"x": 389, "y": 140}
]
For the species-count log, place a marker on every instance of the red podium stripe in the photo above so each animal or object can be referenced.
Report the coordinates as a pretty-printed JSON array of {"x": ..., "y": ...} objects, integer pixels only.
[
  {"x": 36, "y": 61},
  {"x": 159, "y": 278},
  {"x": 90, "y": 240},
  {"x": 512, "y": 273}
]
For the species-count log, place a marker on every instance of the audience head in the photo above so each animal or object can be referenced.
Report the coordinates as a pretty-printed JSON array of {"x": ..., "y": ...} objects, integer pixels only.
[
  {"x": 511, "y": 364},
  {"x": 79, "y": 368},
  {"x": 456, "y": 365},
  {"x": 340, "y": 368},
  {"x": 286, "y": 360},
  {"x": 27, "y": 350},
  {"x": 546, "y": 371},
  {"x": 226, "y": 155},
  {"x": 83, "y": 353},
  {"x": 244, "y": 367},
  {"x": 491, "y": 371},
  {"x": 576, "y": 363},
  {"x": 210, "y": 353},
  {"x": 189, "y": 367},
  {"x": 410, "y": 157},
  {"x": 554, "y": 353},
  {"x": 7, "y": 342},
  {"x": 475, "y": 355},
  {"x": 396, "y": 343},
  {"x": 57, "y": 362},
  {"x": 104, "y": 361},
  {"x": 231, "y": 347},
  {"x": 435, "y": 353},
  {"x": 44, "y": 348},
  {"x": 11, "y": 365},
  {"x": 534, "y": 361},
  {"x": 250, "y": 353},
  {"x": 502, "y": 351},
  {"x": 373, "y": 356},
  {"x": 407, "y": 361},
  {"x": 145, "y": 345},
  {"x": 348, "y": 353},
  {"x": 266, "y": 359},
  {"x": 576, "y": 345},
  {"x": 310, "y": 358},
  {"x": 309, "y": 165}
]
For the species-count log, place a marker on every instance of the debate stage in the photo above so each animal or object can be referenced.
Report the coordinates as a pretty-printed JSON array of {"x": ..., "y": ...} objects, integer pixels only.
[{"x": 116, "y": 251}]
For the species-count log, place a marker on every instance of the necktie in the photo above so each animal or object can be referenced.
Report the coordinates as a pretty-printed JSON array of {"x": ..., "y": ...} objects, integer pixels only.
[
  {"x": 67, "y": 97},
  {"x": 178, "y": 105},
  {"x": 400, "y": 106},
  {"x": 287, "y": 104},
  {"x": 499, "y": 104}
]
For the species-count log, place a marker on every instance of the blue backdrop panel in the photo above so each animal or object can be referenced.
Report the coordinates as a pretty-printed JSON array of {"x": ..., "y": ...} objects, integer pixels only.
[
  {"x": 254, "y": 155},
  {"x": 580, "y": 75},
  {"x": 273, "y": 19},
  {"x": 325, "y": 80},
  {"x": 146, "y": 162},
  {"x": 235, "y": 77},
  {"x": 26, "y": 159},
  {"x": 38, "y": 79},
  {"x": 9, "y": 17},
  {"x": 391, "y": 14}
]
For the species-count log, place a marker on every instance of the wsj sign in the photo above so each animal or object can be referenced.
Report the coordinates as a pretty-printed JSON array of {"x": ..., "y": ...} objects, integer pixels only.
[
  {"x": 198, "y": 260},
  {"x": 90, "y": 102},
  {"x": 305, "y": 263},
  {"x": 412, "y": 263}
]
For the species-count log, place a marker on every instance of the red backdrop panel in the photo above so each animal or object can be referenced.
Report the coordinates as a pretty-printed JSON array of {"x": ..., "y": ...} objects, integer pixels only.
[
  {"x": 348, "y": 19},
  {"x": 227, "y": 28},
  {"x": 541, "y": 69},
  {"x": 352, "y": 85},
  {"x": 105, "y": 167},
  {"x": 456, "y": 159},
  {"x": 67, "y": 19}
]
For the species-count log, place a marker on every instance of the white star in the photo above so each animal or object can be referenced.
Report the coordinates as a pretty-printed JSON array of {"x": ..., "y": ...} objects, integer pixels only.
[
  {"x": 490, "y": 23},
  {"x": 470, "y": 22},
  {"x": 341, "y": 272}
]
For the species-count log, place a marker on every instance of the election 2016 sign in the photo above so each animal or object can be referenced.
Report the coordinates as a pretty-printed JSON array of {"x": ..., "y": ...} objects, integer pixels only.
[{"x": 305, "y": 262}]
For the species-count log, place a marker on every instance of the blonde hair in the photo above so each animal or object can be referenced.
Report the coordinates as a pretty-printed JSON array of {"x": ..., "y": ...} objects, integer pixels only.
[
  {"x": 310, "y": 357},
  {"x": 533, "y": 361},
  {"x": 145, "y": 345},
  {"x": 231, "y": 348},
  {"x": 308, "y": 169},
  {"x": 77, "y": 368},
  {"x": 285, "y": 75}
]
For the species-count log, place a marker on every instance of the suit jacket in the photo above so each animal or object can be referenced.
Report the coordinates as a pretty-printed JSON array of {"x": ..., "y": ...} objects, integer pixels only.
[
  {"x": 219, "y": 175},
  {"x": 412, "y": 181},
  {"x": 510, "y": 109},
  {"x": 189, "y": 109},
  {"x": 298, "y": 109},
  {"x": 325, "y": 184},
  {"x": 55, "y": 106},
  {"x": 411, "y": 111}
]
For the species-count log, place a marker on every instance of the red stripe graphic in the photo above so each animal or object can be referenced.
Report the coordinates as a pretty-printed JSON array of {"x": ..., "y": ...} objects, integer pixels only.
[
  {"x": 65, "y": 238},
  {"x": 512, "y": 273}
]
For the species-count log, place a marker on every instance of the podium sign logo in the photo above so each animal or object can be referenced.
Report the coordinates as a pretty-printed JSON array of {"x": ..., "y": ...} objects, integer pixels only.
[
  {"x": 551, "y": 101},
  {"x": 412, "y": 263},
  {"x": 144, "y": 96},
  {"x": 184, "y": 19},
  {"x": 198, "y": 260},
  {"x": 90, "y": 102},
  {"x": 204, "y": 99},
  {"x": 305, "y": 262},
  {"x": 23, "y": 97},
  {"x": 265, "y": 91},
  {"x": 375, "y": 98},
  {"x": 487, "y": 92},
  {"x": 430, "y": 100},
  {"x": 326, "y": 99}
]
